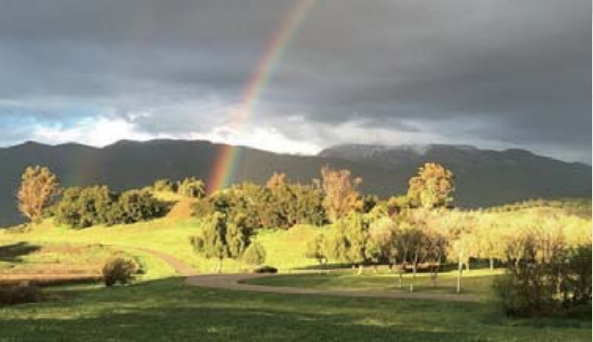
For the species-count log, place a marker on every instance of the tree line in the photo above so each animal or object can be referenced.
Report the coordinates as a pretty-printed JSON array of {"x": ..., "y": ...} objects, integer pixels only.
[{"x": 40, "y": 195}]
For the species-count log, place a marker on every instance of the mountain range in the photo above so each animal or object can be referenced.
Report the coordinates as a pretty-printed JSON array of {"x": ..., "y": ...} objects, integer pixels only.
[{"x": 484, "y": 177}]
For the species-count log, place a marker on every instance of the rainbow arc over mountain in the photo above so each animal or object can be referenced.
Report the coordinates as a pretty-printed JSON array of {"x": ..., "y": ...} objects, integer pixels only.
[{"x": 222, "y": 173}]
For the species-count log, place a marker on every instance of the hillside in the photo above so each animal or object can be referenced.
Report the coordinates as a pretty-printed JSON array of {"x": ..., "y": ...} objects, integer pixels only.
[{"x": 484, "y": 177}]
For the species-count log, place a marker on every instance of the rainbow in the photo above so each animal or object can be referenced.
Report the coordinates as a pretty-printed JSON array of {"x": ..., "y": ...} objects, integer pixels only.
[{"x": 224, "y": 166}]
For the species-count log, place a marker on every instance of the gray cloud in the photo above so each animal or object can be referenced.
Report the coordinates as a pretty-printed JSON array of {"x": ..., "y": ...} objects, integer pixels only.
[{"x": 493, "y": 72}]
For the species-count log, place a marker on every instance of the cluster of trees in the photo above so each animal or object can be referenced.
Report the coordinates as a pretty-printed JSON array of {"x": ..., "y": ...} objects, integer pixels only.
[
  {"x": 278, "y": 204},
  {"x": 363, "y": 232},
  {"x": 188, "y": 187},
  {"x": 77, "y": 207},
  {"x": 406, "y": 242},
  {"x": 85, "y": 207},
  {"x": 544, "y": 274},
  {"x": 421, "y": 239},
  {"x": 222, "y": 239}
]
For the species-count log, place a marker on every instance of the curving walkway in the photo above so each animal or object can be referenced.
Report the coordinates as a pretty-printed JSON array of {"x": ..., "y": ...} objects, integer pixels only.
[{"x": 234, "y": 282}]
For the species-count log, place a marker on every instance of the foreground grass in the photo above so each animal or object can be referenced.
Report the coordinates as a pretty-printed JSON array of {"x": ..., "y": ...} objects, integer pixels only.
[
  {"x": 166, "y": 310},
  {"x": 475, "y": 282}
]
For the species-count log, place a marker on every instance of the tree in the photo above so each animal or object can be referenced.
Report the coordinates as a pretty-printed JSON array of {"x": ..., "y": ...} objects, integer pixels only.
[
  {"x": 432, "y": 187},
  {"x": 415, "y": 241},
  {"x": 138, "y": 205},
  {"x": 315, "y": 249},
  {"x": 309, "y": 205},
  {"x": 490, "y": 240},
  {"x": 38, "y": 188},
  {"x": 191, "y": 187},
  {"x": 381, "y": 246},
  {"x": 283, "y": 201},
  {"x": 85, "y": 207},
  {"x": 341, "y": 192},
  {"x": 254, "y": 255},
  {"x": 437, "y": 246},
  {"x": 356, "y": 235},
  {"x": 221, "y": 239}
]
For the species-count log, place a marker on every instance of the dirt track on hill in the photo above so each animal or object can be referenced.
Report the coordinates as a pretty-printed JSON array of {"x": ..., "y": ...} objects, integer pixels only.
[
  {"x": 180, "y": 267},
  {"x": 233, "y": 282}
]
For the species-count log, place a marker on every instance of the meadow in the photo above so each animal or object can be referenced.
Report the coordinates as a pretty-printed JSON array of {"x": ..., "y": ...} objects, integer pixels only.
[
  {"x": 167, "y": 310},
  {"x": 159, "y": 306}
]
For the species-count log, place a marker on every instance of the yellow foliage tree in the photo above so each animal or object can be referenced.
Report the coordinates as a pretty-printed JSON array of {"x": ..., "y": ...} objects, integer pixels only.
[
  {"x": 341, "y": 192},
  {"x": 38, "y": 187},
  {"x": 432, "y": 187}
]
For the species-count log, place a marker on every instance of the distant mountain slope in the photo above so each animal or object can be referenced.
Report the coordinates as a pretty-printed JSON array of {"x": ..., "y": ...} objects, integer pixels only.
[{"x": 484, "y": 177}]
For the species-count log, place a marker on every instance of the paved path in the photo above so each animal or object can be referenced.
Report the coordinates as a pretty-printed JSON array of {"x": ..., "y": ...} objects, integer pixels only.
[{"x": 233, "y": 282}]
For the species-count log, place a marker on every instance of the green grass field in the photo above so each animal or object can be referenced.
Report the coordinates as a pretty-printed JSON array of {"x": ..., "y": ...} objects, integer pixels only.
[
  {"x": 475, "y": 282},
  {"x": 160, "y": 308},
  {"x": 166, "y": 310}
]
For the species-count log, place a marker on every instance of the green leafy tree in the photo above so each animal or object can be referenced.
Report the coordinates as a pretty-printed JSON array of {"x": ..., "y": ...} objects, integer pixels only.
[
  {"x": 221, "y": 239},
  {"x": 356, "y": 234},
  {"x": 315, "y": 249},
  {"x": 309, "y": 205},
  {"x": 191, "y": 187},
  {"x": 38, "y": 188},
  {"x": 432, "y": 187},
  {"x": 85, "y": 207},
  {"x": 138, "y": 205}
]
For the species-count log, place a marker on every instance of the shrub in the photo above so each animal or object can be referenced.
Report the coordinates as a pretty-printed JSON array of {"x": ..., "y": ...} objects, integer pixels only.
[
  {"x": 191, "y": 187},
  {"x": 255, "y": 254},
  {"x": 165, "y": 185},
  {"x": 314, "y": 249},
  {"x": 85, "y": 207},
  {"x": 544, "y": 277},
  {"x": 20, "y": 294},
  {"x": 576, "y": 289},
  {"x": 138, "y": 205},
  {"x": 119, "y": 269},
  {"x": 265, "y": 269}
]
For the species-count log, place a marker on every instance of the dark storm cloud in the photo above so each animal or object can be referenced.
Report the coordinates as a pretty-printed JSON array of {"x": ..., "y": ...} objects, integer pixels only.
[{"x": 489, "y": 72}]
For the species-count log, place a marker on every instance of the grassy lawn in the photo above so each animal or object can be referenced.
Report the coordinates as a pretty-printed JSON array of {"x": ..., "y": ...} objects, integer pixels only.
[
  {"x": 476, "y": 282},
  {"x": 44, "y": 262},
  {"x": 285, "y": 248},
  {"x": 166, "y": 310}
]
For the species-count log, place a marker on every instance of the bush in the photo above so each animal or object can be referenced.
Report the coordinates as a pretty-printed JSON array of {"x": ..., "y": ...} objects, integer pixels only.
[
  {"x": 265, "y": 269},
  {"x": 547, "y": 278},
  {"x": 138, "y": 205},
  {"x": 119, "y": 269},
  {"x": 255, "y": 254},
  {"x": 191, "y": 187},
  {"x": 576, "y": 288},
  {"x": 165, "y": 185},
  {"x": 85, "y": 207},
  {"x": 20, "y": 294}
]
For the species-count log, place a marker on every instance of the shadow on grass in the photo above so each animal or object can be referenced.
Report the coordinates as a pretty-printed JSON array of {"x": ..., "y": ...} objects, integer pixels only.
[
  {"x": 14, "y": 252},
  {"x": 166, "y": 310}
]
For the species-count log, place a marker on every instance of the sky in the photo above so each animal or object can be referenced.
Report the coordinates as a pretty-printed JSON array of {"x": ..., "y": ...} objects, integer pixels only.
[{"x": 491, "y": 73}]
